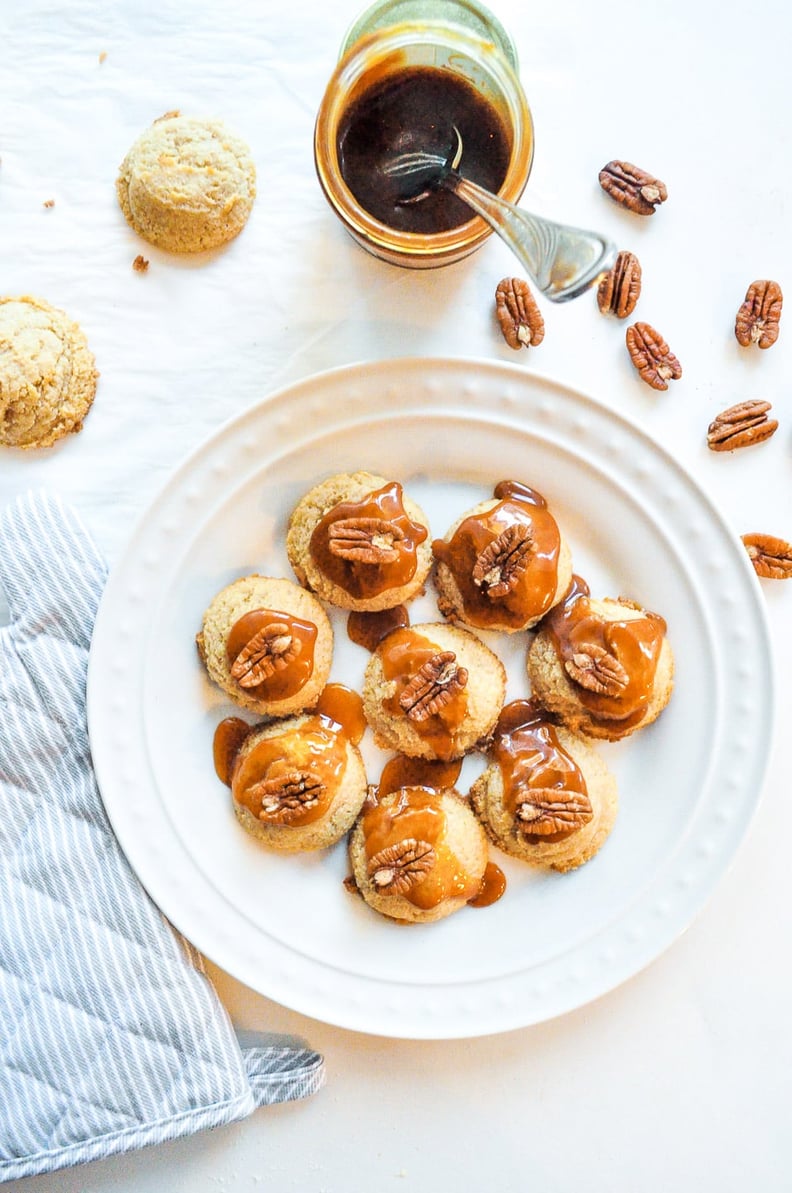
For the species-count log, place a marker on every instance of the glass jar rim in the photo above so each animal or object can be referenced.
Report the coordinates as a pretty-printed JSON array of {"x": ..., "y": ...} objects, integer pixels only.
[{"x": 470, "y": 14}]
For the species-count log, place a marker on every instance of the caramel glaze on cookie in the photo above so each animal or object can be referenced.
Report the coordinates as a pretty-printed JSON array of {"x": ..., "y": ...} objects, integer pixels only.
[
  {"x": 359, "y": 542},
  {"x": 546, "y": 797},
  {"x": 369, "y": 546},
  {"x": 433, "y": 691},
  {"x": 268, "y": 644},
  {"x": 297, "y": 783},
  {"x": 603, "y": 666},
  {"x": 531, "y": 759},
  {"x": 418, "y": 854},
  {"x": 270, "y": 653},
  {"x": 504, "y": 564}
]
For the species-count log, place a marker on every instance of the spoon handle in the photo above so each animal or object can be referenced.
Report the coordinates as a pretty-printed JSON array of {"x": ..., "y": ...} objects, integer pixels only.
[{"x": 562, "y": 261}]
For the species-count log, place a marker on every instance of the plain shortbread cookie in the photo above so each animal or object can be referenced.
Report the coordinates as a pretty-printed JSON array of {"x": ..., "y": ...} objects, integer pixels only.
[
  {"x": 47, "y": 373},
  {"x": 186, "y": 184}
]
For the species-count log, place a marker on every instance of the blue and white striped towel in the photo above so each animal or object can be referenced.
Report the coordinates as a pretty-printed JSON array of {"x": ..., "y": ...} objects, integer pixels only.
[{"x": 111, "y": 1035}]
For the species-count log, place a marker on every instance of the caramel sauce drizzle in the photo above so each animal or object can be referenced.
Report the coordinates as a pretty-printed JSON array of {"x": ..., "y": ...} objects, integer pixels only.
[
  {"x": 402, "y": 654},
  {"x": 226, "y": 744},
  {"x": 288, "y": 680},
  {"x": 345, "y": 706},
  {"x": 525, "y": 746},
  {"x": 493, "y": 887},
  {"x": 363, "y": 580},
  {"x": 368, "y": 629},
  {"x": 401, "y": 771},
  {"x": 316, "y": 747},
  {"x": 636, "y": 643},
  {"x": 534, "y": 589},
  {"x": 417, "y": 814}
]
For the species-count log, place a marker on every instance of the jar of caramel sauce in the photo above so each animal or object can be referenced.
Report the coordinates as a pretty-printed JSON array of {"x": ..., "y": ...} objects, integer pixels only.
[{"x": 405, "y": 63}]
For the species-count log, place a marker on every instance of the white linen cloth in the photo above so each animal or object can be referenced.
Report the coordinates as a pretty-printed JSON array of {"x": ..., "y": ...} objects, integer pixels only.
[{"x": 112, "y": 1036}]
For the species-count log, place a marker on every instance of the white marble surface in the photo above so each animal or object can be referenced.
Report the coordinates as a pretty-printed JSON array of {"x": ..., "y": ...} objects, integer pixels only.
[{"x": 680, "y": 1078}]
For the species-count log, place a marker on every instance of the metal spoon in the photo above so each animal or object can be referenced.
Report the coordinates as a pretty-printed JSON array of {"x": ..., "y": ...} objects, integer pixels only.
[{"x": 562, "y": 261}]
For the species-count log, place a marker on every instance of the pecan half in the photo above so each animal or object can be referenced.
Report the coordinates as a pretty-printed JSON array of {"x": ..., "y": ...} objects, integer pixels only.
[
  {"x": 398, "y": 867},
  {"x": 596, "y": 670},
  {"x": 268, "y": 651},
  {"x": 518, "y": 315},
  {"x": 545, "y": 811},
  {"x": 759, "y": 316},
  {"x": 365, "y": 540},
  {"x": 284, "y": 799},
  {"x": 500, "y": 565},
  {"x": 741, "y": 426},
  {"x": 434, "y": 685},
  {"x": 654, "y": 360},
  {"x": 770, "y": 556},
  {"x": 620, "y": 288},
  {"x": 632, "y": 187}
]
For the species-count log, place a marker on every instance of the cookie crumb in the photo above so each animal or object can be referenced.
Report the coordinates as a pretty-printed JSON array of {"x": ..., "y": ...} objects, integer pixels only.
[
  {"x": 140, "y": 264},
  {"x": 102, "y": 56},
  {"x": 48, "y": 203}
]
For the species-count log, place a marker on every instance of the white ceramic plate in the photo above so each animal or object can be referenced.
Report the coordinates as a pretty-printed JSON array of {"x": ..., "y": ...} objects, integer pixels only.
[{"x": 638, "y": 526}]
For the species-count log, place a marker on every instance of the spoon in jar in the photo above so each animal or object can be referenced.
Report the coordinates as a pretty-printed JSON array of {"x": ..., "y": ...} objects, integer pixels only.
[{"x": 562, "y": 261}]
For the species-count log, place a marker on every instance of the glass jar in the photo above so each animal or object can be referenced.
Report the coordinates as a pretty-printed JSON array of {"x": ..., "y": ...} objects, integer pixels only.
[
  {"x": 391, "y": 38},
  {"x": 474, "y": 17}
]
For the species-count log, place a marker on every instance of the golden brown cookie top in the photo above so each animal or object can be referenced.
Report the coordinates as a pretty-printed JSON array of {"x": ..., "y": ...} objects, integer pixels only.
[
  {"x": 47, "y": 373},
  {"x": 187, "y": 184},
  {"x": 359, "y": 542}
]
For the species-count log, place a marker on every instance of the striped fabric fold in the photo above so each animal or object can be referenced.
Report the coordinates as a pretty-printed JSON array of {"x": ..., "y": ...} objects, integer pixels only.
[{"x": 111, "y": 1034}]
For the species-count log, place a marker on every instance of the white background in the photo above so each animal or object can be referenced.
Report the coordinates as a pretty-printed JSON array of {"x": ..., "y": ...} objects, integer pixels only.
[{"x": 681, "y": 1078}]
